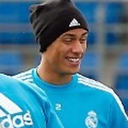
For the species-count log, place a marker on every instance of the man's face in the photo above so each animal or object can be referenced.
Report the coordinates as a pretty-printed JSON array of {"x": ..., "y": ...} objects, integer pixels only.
[{"x": 64, "y": 55}]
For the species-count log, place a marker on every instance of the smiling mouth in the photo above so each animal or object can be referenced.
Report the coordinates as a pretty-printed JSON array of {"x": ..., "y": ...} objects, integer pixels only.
[{"x": 74, "y": 60}]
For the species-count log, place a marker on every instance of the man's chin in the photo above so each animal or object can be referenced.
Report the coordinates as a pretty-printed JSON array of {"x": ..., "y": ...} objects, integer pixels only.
[{"x": 72, "y": 73}]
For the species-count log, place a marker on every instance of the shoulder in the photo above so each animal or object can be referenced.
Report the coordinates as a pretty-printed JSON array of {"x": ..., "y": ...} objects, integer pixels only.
[
  {"x": 25, "y": 76},
  {"x": 103, "y": 91},
  {"x": 10, "y": 84},
  {"x": 7, "y": 80},
  {"x": 96, "y": 86},
  {"x": 93, "y": 83},
  {"x": 25, "y": 73}
]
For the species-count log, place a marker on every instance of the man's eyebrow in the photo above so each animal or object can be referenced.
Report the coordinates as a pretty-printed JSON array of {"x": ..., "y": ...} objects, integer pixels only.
[
  {"x": 68, "y": 34},
  {"x": 85, "y": 33},
  {"x": 72, "y": 35}
]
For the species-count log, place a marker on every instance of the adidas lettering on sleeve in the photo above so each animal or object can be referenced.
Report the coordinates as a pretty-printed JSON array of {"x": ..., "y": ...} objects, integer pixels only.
[{"x": 23, "y": 105}]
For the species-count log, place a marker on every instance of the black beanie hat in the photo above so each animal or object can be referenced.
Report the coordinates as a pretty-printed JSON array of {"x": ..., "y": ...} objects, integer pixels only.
[{"x": 52, "y": 18}]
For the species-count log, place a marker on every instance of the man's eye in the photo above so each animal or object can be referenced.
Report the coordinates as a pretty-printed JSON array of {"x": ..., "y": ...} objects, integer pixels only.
[
  {"x": 83, "y": 40},
  {"x": 68, "y": 40}
]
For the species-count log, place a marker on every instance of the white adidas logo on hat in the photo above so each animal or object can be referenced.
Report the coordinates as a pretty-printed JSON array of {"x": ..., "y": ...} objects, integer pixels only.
[{"x": 74, "y": 22}]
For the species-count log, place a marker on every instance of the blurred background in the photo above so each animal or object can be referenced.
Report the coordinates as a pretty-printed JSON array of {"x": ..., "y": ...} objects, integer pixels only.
[{"x": 106, "y": 58}]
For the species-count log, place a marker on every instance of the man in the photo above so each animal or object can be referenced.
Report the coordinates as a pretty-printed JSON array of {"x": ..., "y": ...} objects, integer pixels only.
[
  {"x": 24, "y": 105},
  {"x": 62, "y": 32}
]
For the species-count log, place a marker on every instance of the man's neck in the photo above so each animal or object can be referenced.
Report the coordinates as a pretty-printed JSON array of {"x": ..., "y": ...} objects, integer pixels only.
[{"x": 52, "y": 77}]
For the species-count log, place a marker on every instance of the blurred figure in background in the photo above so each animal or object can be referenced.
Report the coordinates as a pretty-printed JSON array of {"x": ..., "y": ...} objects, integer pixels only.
[
  {"x": 24, "y": 105},
  {"x": 80, "y": 102}
]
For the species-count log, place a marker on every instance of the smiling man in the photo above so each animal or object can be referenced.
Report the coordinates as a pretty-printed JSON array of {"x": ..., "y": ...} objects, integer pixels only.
[{"x": 80, "y": 102}]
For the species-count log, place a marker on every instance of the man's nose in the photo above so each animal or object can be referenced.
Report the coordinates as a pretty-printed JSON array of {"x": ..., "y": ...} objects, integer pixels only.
[{"x": 78, "y": 47}]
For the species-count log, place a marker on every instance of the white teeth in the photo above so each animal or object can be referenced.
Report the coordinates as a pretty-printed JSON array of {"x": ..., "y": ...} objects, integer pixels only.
[{"x": 74, "y": 59}]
